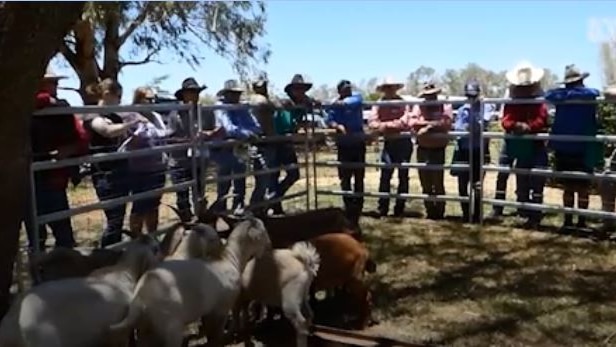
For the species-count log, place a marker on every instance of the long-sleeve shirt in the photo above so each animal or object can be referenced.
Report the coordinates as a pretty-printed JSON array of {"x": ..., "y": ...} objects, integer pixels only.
[
  {"x": 438, "y": 120},
  {"x": 237, "y": 124},
  {"x": 534, "y": 115},
  {"x": 573, "y": 119},
  {"x": 469, "y": 119},
  {"x": 389, "y": 119},
  {"x": 350, "y": 116},
  {"x": 264, "y": 111}
]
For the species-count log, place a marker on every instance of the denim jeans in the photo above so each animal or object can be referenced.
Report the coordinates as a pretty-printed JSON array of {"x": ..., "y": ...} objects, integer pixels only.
[
  {"x": 395, "y": 151},
  {"x": 180, "y": 174},
  {"x": 284, "y": 154},
  {"x": 530, "y": 187},
  {"x": 264, "y": 182},
  {"x": 465, "y": 184},
  {"x": 432, "y": 181},
  {"x": 502, "y": 177},
  {"x": 50, "y": 200},
  {"x": 352, "y": 153},
  {"x": 109, "y": 185},
  {"x": 228, "y": 164}
]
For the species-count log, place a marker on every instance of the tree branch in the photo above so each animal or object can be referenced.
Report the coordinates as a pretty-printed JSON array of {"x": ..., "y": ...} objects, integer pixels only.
[
  {"x": 71, "y": 89},
  {"x": 135, "y": 23},
  {"x": 69, "y": 55},
  {"x": 146, "y": 60}
]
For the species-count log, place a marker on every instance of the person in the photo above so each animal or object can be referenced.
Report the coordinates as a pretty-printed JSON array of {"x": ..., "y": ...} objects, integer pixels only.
[
  {"x": 427, "y": 120},
  {"x": 472, "y": 117},
  {"x": 286, "y": 121},
  {"x": 608, "y": 186},
  {"x": 346, "y": 117},
  {"x": 502, "y": 177},
  {"x": 575, "y": 119},
  {"x": 522, "y": 119},
  {"x": 238, "y": 125},
  {"x": 147, "y": 172},
  {"x": 180, "y": 162},
  {"x": 110, "y": 178},
  {"x": 264, "y": 111},
  {"x": 392, "y": 120},
  {"x": 53, "y": 137}
]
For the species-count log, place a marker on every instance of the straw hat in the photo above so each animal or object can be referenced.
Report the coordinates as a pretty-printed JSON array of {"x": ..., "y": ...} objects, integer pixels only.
[
  {"x": 429, "y": 88},
  {"x": 50, "y": 75},
  {"x": 231, "y": 86},
  {"x": 389, "y": 82},
  {"x": 573, "y": 74},
  {"x": 298, "y": 80},
  {"x": 524, "y": 74}
]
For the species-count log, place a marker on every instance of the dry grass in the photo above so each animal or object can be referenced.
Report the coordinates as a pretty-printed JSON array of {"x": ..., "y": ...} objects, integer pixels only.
[{"x": 458, "y": 285}]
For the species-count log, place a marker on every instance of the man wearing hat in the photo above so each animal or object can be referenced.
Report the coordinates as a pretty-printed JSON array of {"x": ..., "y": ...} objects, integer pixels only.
[
  {"x": 287, "y": 120},
  {"x": 575, "y": 119},
  {"x": 391, "y": 120},
  {"x": 54, "y": 137},
  {"x": 520, "y": 119},
  {"x": 346, "y": 117},
  {"x": 426, "y": 120},
  {"x": 235, "y": 124},
  {"x": 180, "y": 162},
  {"x": 472, "y": 118}
]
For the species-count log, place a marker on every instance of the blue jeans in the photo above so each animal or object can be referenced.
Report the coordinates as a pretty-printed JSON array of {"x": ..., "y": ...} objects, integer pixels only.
[
  {"x": 502, "y": 177},
  {"x": 284, "y": 154},
  {"x": 109, "y": 185},
  {"x": 353, "y": 153},
  {"x": 395, "y": 151},
  {"x": 50, "y": 200},
  {"x": 143, "y": 182},
  {"x": 530, "y": 187},
  {"x": 180, "y": 174},
  {"x": 264, "y": 182},
  {"x": 228, "y": 164}
]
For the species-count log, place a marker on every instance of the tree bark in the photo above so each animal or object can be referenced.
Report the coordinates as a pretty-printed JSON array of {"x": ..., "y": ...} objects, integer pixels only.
[{"x": 30, "y": 34}]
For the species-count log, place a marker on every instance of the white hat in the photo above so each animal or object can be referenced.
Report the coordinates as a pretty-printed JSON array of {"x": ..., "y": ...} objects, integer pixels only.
[
  {"x": 524, "y": 74},
  {"x": 50, "y": 75},
  {"x": 389, "y": 81}
]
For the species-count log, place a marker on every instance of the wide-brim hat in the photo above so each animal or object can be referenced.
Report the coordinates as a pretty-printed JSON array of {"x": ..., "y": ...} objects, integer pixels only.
[
  {"x": 260, "y": 82},
  {"x": 298, "y": 80},
  {"x": 389, "y": 82},
  {"x": 231, "y": 86},
  {"x": 189, "y": 84},
  {"x": 573, "y": 74},
  {"x": 524, "y": 74},
  {"x": 429, "y": 88},
  {"x": 50, "y": 75}
]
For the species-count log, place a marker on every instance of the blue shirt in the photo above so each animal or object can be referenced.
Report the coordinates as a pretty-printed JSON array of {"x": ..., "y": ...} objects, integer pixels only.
[
  {"x": 351, "y": 116},
  {"x": 573, "y": 119},
  {"x": 469, "y": 119},
  {"x": 237, "y": 124}
]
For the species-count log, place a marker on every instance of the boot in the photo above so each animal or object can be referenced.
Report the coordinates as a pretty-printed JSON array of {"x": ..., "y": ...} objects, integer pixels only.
[{"x": 465, "y": 211}]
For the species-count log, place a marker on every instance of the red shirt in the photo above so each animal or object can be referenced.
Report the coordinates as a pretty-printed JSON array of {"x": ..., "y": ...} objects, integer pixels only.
[
  {"x": 52, "y": 132},
  {"x": 535, "y": 115}
]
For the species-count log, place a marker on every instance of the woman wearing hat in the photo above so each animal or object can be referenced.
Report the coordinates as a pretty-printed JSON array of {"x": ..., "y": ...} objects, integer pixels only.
[
  {"x": 238, "y": 124},
  {"x": 54, "y": 137},
  {"x": 521, "y": 119},
  {"x": 472, "y": 118},
  {"x": 391, "y": 120},
  {"x": 179, "y": 161},
  {"x": 575, "y": 119},
  {"x": 425, "y": 121}
]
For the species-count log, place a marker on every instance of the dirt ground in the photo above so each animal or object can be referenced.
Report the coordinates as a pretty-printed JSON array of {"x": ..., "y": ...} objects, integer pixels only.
[{"x": 454, "y": 284}]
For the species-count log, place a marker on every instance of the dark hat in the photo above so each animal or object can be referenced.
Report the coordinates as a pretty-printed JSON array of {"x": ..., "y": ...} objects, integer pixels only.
[
  {"x": 231, "y": 86},
  {"x": 344, "y": 84},
  {"x": 260, "y": 82},
  {"x": 573, "y": 74},
  {"x": 298, "y": 80},
  {"x": 429, "y": 88},
  {"x": 472, "y": 88},
  {"x": 189, "y": 84}
]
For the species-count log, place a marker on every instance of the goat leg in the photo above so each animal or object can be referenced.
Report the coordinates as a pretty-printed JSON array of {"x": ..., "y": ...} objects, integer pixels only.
[
  {"x": 215, "y": 329},
  {"x": 361, "y": 297}
]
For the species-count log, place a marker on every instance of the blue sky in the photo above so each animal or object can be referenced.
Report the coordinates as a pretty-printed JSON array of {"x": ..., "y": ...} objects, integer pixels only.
[{"x": 330, "y": 40}]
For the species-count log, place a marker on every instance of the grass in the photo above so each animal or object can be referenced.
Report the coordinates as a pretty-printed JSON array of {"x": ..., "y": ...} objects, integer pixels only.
[{"x": 460, "y": 285}]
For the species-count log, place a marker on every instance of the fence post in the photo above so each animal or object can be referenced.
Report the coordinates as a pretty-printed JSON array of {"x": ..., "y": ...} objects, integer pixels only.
[
  {"x": 33, "y": 250},
  {"x": 307, "y": 153},
  {"x": 314, "y": 163},
  {"x": 479, "y": 189},
  {"x": 194, "y": 133}
]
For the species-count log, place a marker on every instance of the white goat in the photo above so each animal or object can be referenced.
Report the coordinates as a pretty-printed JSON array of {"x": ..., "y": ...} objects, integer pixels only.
[
  {"x": 76, "y": 312},
  {"x": 201, "y": 241},
  {"x": 281, "y": 278},
  {"x": 178, "y": 292}
]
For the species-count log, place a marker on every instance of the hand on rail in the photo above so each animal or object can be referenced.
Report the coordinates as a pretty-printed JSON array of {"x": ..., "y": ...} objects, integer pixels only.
[
  {"x": 521, "y": 128},
  {"x": 340, "y": 129}
]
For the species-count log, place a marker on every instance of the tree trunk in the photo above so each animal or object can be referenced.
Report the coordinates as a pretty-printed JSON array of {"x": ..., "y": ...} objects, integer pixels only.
[{"x": 30, "y": 34}]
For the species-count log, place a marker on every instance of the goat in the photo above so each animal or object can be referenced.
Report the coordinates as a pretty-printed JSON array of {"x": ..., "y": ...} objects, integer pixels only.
[
  {"x": 343, "y": 263},
  {"x": 281, "y": 278},
  {"x": 76, "y": 312},
  {"x": 178, "y": 292},
  {"x": 61, "y": 263}
]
